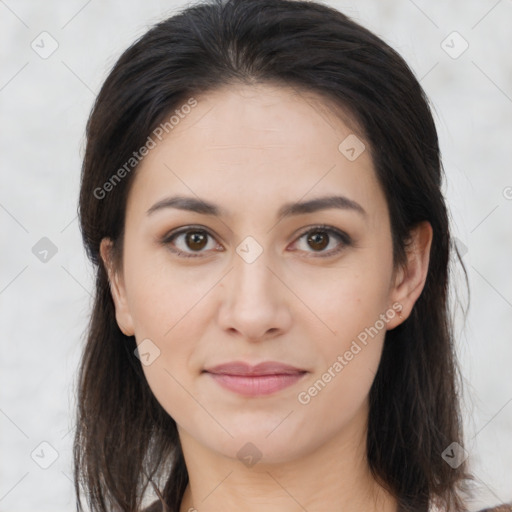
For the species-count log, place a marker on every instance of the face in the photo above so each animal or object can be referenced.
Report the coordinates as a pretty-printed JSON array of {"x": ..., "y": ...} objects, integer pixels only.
[{"x": 313, "y": 288}]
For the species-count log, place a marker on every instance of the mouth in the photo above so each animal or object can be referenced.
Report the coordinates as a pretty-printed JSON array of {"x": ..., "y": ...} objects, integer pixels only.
[
  {"x": 261, "y": 369},
  {"x": 262, "y": 379}
]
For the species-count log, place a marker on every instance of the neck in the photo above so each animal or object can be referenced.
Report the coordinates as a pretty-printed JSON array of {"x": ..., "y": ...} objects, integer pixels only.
[{"x": 334, "y": 476}]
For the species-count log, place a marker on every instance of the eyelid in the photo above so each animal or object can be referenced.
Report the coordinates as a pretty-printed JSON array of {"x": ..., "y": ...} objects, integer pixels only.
[
  {"x": 346, "y": 240},
  {"x": 168, "y": 237}
]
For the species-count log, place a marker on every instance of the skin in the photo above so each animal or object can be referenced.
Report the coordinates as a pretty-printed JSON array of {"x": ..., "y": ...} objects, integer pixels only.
[{"x": 250, "y": 149}]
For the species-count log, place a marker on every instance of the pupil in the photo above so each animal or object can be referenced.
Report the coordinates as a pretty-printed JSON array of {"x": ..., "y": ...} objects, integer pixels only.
[
  {"x": 314, "y": 238},
  {"x": 196, "y": 238}
]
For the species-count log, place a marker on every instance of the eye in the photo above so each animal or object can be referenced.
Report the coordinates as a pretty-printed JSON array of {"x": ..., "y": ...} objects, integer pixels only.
[
  {"x": 320, "y": 237},
  {"x": 195, "y": 239},
  {"x": 192, "y": 241}
]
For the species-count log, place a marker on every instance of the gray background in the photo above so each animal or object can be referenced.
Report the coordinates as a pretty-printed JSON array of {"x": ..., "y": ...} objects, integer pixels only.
[{"x": 44, "y": 306}]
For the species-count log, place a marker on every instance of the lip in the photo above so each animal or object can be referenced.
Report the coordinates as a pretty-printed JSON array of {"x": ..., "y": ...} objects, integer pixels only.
[
  {"x": 244, "y": 369},
  {"x": 258, "y": 380}
]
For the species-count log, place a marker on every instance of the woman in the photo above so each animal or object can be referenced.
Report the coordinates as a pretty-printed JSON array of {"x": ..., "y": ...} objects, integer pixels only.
[{"x": 261, "y": 197}]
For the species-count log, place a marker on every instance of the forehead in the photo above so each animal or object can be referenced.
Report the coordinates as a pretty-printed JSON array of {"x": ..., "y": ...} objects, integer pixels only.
[
  {"x": 265, "y": 115},
  {"x": 255, "y": 144}
]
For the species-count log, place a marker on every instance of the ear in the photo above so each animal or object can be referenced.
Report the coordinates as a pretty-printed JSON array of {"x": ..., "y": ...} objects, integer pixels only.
[
  {"x": 117, "y": 289},
  {"x": 410, "y": 279}
]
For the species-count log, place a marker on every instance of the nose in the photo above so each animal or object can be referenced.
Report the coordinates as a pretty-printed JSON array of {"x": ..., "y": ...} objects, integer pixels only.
[{"x": 255, "y": 302}]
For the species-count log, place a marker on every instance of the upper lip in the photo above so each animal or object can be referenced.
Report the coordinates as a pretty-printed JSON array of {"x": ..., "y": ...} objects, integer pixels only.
[{"x": 265, "y": 368}]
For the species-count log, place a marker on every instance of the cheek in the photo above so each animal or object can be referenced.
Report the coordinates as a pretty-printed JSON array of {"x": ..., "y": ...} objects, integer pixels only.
[
  {"x": 165, "y": 304},
  {"x": 161, "y": 293},
  {"x": 336, "y": 396},
  {"x": 349, "y": 348},
  {"x": 345, "y": 325},
  {"x": 345, "y": 299}
]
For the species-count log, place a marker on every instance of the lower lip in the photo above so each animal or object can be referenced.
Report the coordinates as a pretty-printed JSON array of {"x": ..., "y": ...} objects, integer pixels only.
[{"x": 256, "y": 385}]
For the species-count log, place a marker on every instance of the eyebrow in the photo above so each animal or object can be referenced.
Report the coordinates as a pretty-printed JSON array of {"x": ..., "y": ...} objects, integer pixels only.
[{"x": 201, "y": 206}]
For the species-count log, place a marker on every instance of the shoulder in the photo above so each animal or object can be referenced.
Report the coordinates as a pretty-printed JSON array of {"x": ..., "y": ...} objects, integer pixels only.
[
  {"x": 500, "y": 508},
  {"x": 156, "y": 506}
]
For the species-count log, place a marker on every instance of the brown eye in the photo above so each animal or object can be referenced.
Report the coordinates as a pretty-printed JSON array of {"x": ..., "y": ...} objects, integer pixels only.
[
  {"x": 190, "y": 242},
  {"x": 196, "y": 240},
  {"x": 318, "y": 240}
]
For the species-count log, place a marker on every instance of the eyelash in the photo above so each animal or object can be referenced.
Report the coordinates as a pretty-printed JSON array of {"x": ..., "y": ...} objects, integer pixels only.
[{"x": 343, "y": 237}]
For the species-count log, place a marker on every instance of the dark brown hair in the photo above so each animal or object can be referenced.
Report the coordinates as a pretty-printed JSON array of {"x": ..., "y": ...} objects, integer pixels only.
[{"x": 124, "y": 438}]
